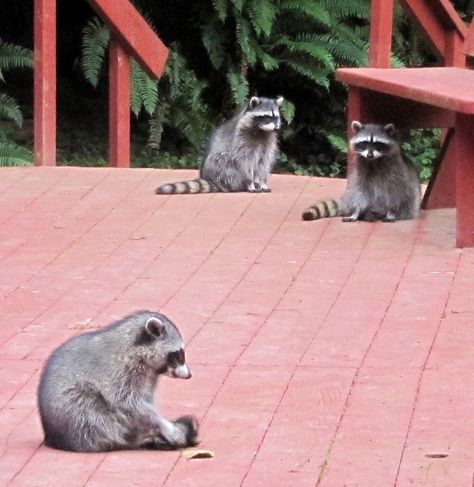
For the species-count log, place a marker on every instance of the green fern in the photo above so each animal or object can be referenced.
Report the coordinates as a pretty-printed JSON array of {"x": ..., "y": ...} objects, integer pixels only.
[
  {"x": 9, "y": 109},
  {"x": 288, "y": 110},
  {"x": 308, "y": 9},
  {"x": 262, "y": 15},
  {"x": 14, "y": 155},
  {"x": 144, "y": 90},
  {"x": 14, "y": 57},
  {"x": 239, "y": 87},
  {"x": 95, "y": 41}
]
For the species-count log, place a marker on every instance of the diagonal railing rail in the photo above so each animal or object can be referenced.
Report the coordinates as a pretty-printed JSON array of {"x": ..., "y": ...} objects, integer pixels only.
[
  {"x": 436, "y": 18},
  {"x": 131, "y": 36}
]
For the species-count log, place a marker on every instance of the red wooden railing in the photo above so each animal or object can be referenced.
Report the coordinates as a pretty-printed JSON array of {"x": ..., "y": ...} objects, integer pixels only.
[
  {"x": 130, "y": 36},
  {"x": 436, "y": 18}
]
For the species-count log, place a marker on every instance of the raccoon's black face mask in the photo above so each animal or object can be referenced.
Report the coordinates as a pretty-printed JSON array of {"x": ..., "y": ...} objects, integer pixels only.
[{"x": 265, "y": 112}]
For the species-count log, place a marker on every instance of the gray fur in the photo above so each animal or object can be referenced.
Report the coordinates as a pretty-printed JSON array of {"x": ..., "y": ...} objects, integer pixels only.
[
  {"x": 240, "y": 153},
  {"x": 383, "y": 185},
  {"x": 96, "y": 390}
]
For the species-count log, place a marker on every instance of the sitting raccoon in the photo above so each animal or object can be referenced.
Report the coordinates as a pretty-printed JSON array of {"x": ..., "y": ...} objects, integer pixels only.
[
  {"x": 240, "y": 153},
  {"x": 96, "y": 390},
  {"x": 383, "y": 185}
]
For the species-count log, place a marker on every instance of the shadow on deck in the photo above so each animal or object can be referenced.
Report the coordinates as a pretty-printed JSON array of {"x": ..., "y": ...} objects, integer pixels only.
[{"x": 323, "y": 353}]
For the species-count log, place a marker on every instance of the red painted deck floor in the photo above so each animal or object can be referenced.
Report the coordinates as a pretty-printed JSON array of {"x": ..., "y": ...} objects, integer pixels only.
[{"x": 323, "y": 353}]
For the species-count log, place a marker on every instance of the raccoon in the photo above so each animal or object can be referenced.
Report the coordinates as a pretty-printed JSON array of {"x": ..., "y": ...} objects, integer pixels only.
[
  {"x": 383, "y": 185},
  {"x": 240, "y": 153},
  {"x": 96, "y": 390}
]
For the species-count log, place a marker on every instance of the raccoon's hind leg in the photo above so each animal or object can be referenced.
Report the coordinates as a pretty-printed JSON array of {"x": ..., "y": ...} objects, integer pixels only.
[{"x": 170, "y": 435}]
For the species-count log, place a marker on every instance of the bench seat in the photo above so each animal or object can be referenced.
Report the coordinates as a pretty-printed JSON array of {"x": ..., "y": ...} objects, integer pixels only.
[{"x": 446, "y": 87}]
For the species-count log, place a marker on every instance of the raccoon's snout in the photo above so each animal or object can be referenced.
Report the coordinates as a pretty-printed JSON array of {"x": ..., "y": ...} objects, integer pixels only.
[{"x": 180, "y": 372}]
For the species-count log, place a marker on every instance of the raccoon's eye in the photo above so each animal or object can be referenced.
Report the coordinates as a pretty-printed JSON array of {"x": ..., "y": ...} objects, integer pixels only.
[
  {"x": 380, "y": 146},
  {"x": 361, "y": 146},
  {"x": 176, "y": 358}
]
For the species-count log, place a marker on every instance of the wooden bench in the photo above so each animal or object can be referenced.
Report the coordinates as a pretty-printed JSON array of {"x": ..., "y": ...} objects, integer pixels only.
[{"x": 425, "y": 98}]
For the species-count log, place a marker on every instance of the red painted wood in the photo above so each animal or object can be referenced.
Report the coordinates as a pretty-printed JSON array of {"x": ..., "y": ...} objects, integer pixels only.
[
  {"x": 450, "y": 88},
  {"x": 381, "y": 21},
  {"x": 436, "y": 18},
  {"x": 464, "y": 180},
  {"x": 119, "y": 106},
  {"x": 454, "y": 54},
  {"x": 468, "y": 47},
  {"x": 133, "y": 33},
  {"x": 441, "y": 190},
  {"x": 317, "y": 385},
  {"x": 45, "y": 82}
]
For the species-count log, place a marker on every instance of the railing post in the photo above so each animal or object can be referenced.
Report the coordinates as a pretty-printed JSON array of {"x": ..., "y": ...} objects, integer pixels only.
[
  {"x": 380, "y": 44},
  {"x": 45, "y": 83},
  {"x": 119, "y": 106}
]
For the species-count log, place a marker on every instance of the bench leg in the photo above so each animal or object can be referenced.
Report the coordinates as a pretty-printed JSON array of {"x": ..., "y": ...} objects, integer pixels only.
[
  {"x": 464, "y": 147},
  {"x": 441, "y": 190}
]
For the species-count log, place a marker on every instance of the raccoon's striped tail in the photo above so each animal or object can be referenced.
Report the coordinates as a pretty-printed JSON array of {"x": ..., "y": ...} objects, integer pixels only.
[
  {"x": 187, "y": 187},
  {"x": 323, "y": 209}
]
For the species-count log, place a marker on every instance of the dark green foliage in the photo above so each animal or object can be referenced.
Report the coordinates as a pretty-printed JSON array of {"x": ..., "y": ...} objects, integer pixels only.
[
  {"x": 12, "y": 57},
  {"x": 222, "y": 52}
]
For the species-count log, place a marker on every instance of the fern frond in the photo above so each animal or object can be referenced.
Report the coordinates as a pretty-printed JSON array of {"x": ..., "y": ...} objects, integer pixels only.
[
  {"x": 10, "y": 109},
  {"x": 156, "y": 126},
  {"x": 238, "y": 5},
  {"x": 14, "y": 155},
  {"x": 262, "y": 14},
  {"x": 308, "y": 9},
  {"x": 239, "y": 87},
  {"x": 288, "y": 110},
  {"x": 343, "y": 9},
  {"x": 268, "y": 61},
  {"x": 14, "y": 57},
  {"x": 95, "y": 40},
  {"x": 245, "y": 40},
  {"x": 316, "y": 74},
  {"x": 315, "y": 50},
  {"x": 213, "y": 41},
  {"x": 143, "y": 90},
  {"x": 221, "y": 7},
  {"x": 346, "y": 53},
  {"x": 337, "y": 142}
]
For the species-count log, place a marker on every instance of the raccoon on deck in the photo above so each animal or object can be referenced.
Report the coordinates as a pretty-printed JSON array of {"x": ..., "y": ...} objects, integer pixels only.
[
  {"x": 383, "y": 185},
  {"x": 240, "y": 153},
  {"x": 96, "y": 390}
]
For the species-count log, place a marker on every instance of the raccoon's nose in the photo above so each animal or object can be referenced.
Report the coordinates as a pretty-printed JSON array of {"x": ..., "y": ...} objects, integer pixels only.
[
  {"x": 370, "y": 155},
  {"x": 182, "y": 372}
]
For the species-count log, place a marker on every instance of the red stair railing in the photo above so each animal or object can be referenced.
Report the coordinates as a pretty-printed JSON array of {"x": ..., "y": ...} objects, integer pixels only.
[{"x": 130, "y": 36}]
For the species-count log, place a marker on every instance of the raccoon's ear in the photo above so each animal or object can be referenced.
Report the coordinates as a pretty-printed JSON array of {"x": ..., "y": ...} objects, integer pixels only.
[
  {"x": 356, "y": 126},
  {"x": 279, "y": 100},
  {"x": 155, "y": 327},
  {"x": 254, "y": 101},
  {"x": 390, "y": 129}
]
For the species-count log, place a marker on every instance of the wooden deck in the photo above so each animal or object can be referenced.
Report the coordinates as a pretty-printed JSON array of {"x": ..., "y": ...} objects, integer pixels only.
[{"x": 323, "y": 353}]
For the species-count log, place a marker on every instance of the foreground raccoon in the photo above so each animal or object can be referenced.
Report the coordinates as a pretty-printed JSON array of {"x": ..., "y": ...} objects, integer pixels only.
[
  {"x": 382, "y": 185},
  {"x": 96, "y": 390},
  {"x": 240, "y": 153}
]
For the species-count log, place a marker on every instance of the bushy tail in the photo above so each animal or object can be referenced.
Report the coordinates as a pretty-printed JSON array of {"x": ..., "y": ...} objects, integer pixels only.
[
  {"x": 323, "y": 209},
  {"x": 187, "y": 187}
]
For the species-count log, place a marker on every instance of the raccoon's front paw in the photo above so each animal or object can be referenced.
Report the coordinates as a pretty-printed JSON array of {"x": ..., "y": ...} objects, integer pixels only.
[
  {"x": 389, "y": 217},
  {"x": 187, "y": 430},
  {"x": 350, "y": 218}
]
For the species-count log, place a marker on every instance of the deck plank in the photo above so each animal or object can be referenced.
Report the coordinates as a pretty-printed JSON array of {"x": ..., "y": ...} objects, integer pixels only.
[{"x": 323, "y": 353}]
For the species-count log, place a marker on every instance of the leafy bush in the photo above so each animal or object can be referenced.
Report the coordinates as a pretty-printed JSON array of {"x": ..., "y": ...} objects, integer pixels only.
[{"x": 12, "y": 57}]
